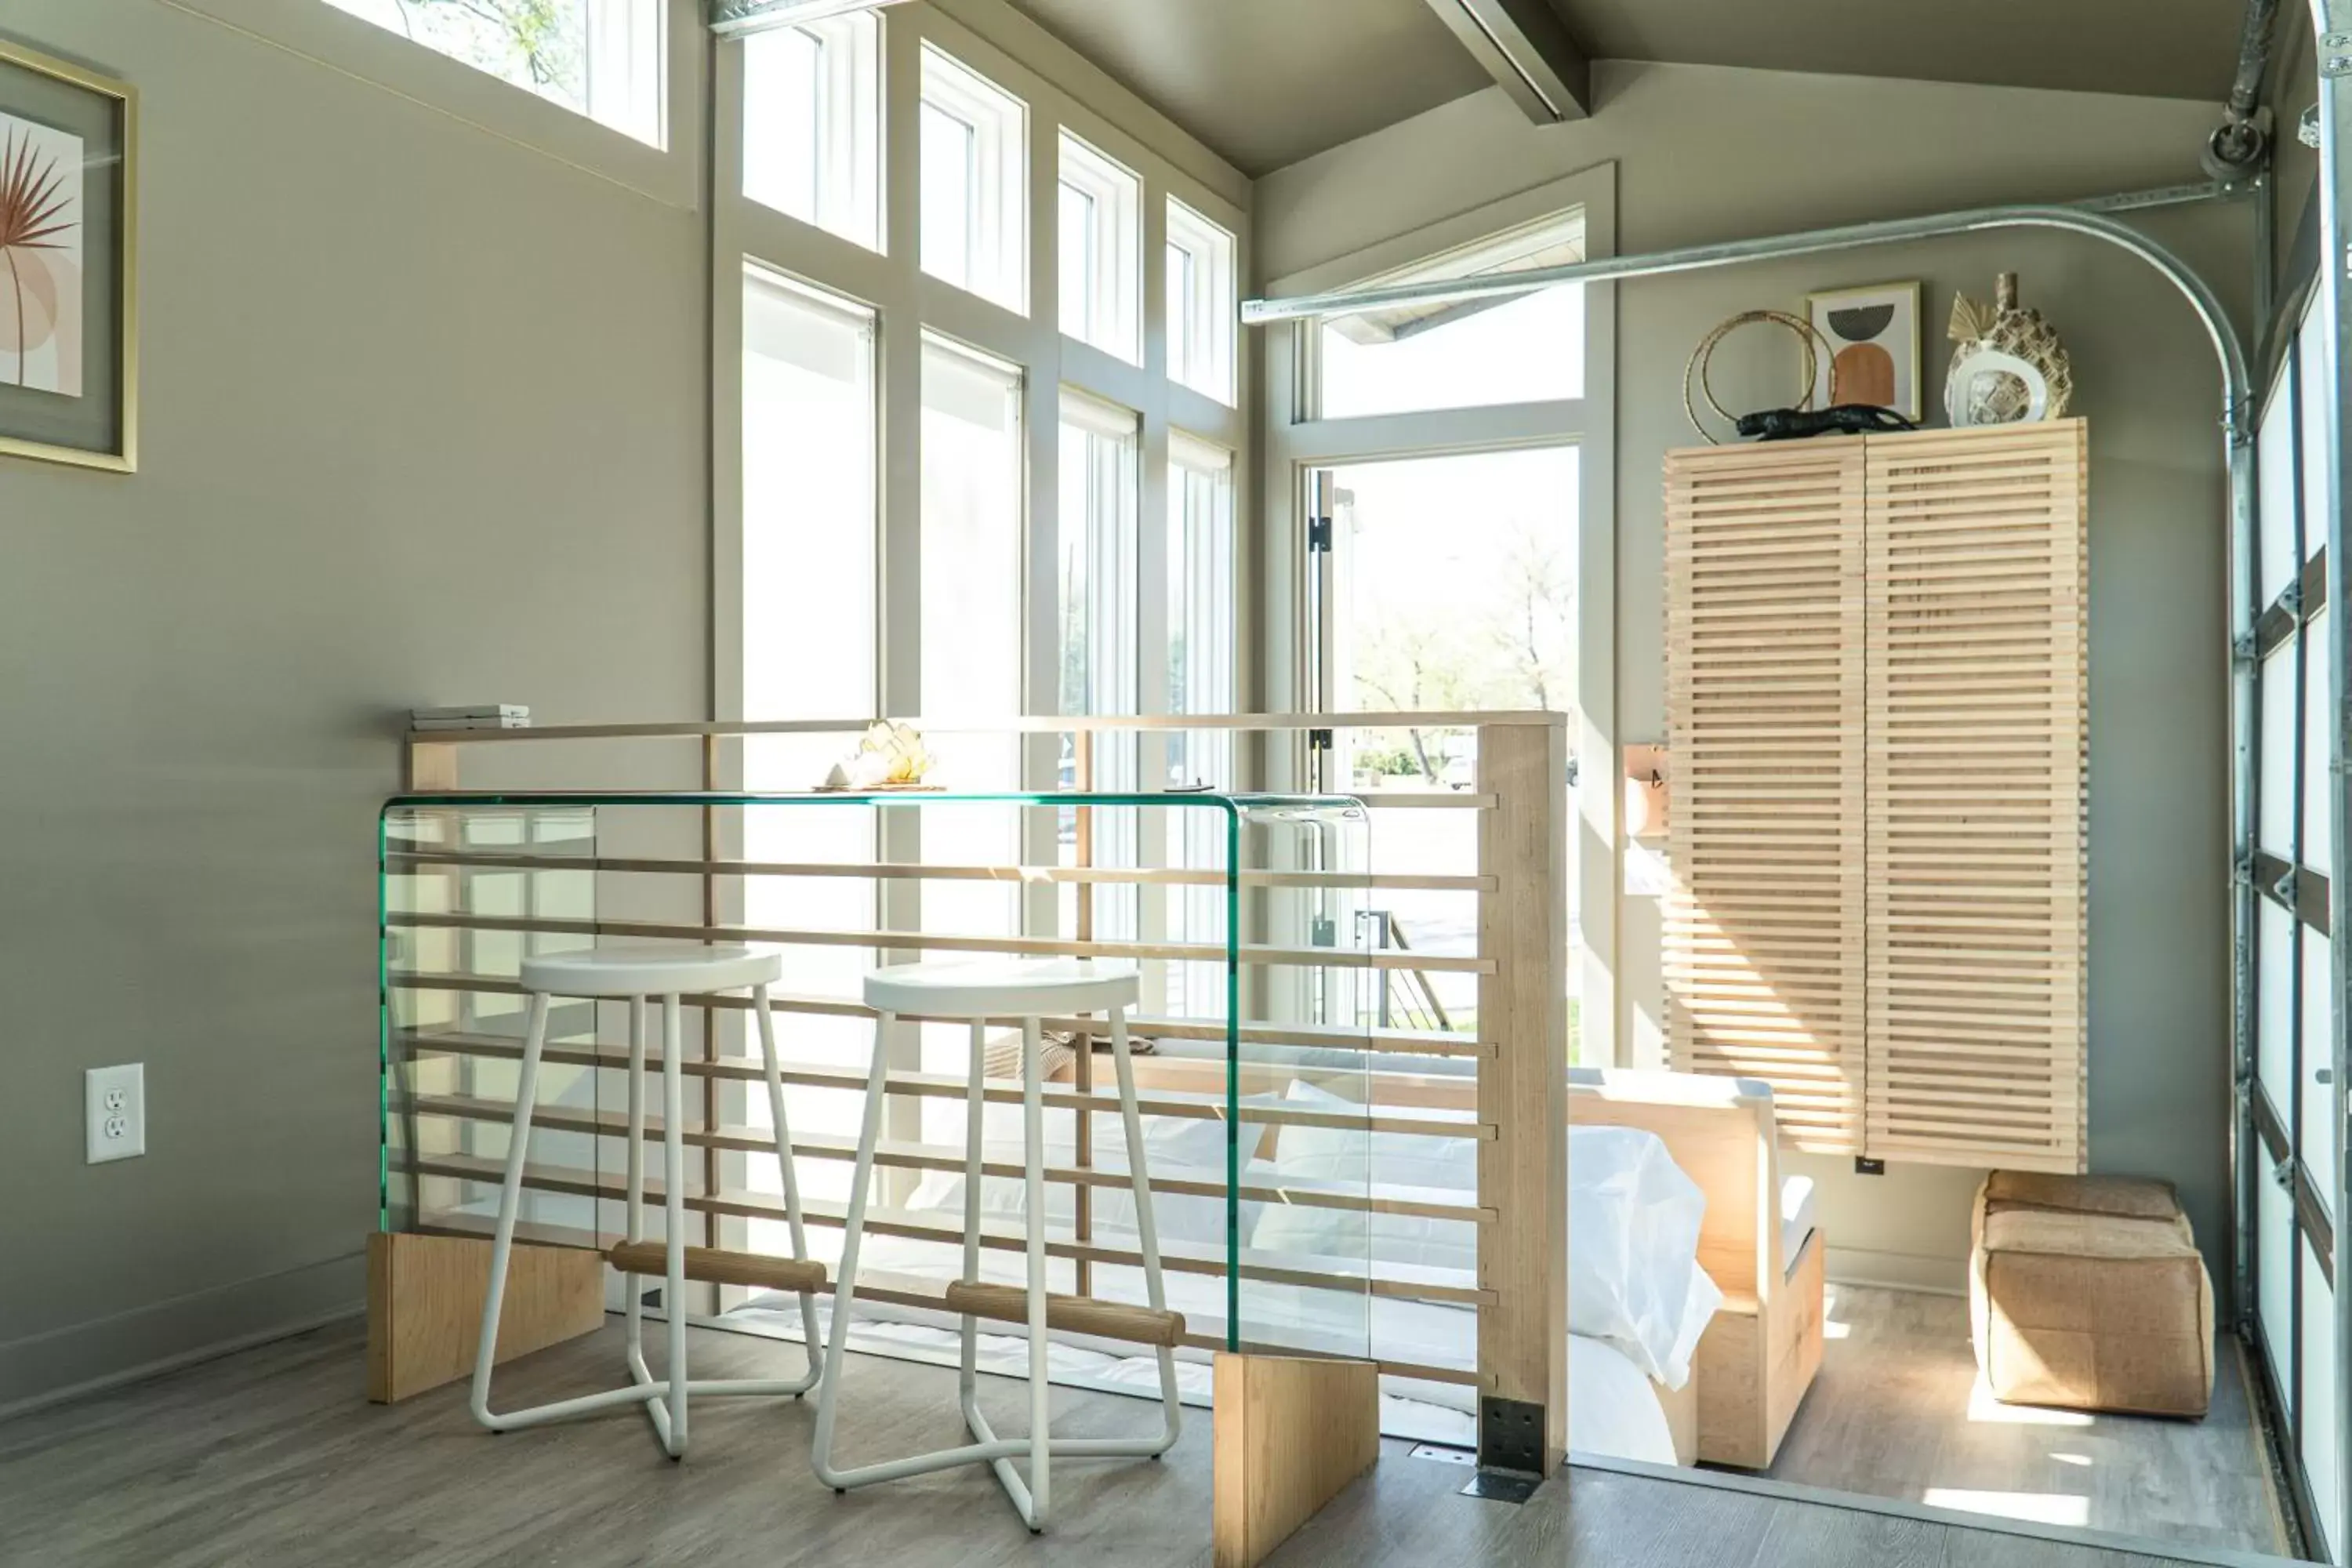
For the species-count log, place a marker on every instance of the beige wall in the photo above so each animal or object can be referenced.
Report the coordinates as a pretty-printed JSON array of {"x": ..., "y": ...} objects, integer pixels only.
[
  {"x": 1706, "y": 153},
  {"x": 423, "y": 423}
]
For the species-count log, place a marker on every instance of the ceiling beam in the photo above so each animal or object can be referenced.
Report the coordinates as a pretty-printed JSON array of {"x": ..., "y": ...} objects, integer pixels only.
[{"x": 1526, "y": 47}]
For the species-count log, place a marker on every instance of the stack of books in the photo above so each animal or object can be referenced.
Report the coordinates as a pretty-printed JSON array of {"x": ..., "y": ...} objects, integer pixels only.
[{"x": 478, "y": 716}]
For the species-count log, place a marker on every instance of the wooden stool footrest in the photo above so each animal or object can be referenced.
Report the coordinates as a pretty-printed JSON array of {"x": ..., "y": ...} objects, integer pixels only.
[
  {"x": 1075, "y": 1314},
  {"x": 714, "y": 1266}
]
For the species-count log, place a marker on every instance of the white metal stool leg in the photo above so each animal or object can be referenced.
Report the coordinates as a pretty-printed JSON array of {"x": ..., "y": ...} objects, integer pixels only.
[
  {"x": 502, "y": 1250},
  {"x": 791, "y": 1185},
  {"x": 668, "y": 1412},
  {"x": 1032, "y": 1494},
  {"x": 666, "y": 1398},
  {"x": 1146, "y": 1230},
  {"x": 1041, "y": 1387},
  {"x": 844, "y": 1290},
  {"x": 975, "y": 1104},
  {"x": 633, "y": 1311}
]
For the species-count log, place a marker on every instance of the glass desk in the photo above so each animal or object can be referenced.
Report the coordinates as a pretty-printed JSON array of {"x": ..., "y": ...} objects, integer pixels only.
[{"x": 1268, "y": 977}]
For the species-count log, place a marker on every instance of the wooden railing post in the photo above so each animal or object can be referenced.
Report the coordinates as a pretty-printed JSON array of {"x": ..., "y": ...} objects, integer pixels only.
[{"x": 1522, "y": 1094}]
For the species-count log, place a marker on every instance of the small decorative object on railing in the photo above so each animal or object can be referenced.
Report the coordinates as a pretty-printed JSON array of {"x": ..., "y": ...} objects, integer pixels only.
[
  {"x": 2011, "y": 368},
  {"x": 471, "y": 716},
  {"x": 889, "y": 756}
]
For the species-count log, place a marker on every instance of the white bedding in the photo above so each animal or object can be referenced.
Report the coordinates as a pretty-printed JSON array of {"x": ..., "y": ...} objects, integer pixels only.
[{"x": 1795, "y": 1218}]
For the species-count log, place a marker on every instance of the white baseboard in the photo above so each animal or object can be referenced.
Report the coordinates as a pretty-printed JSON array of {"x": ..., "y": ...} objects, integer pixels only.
[
  {"x": 1896, "y": 1270},
  {"x": 82, "y": 1359}
]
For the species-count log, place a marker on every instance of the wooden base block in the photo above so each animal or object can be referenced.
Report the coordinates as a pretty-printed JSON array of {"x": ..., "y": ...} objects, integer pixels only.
[
  {"x": 1291, "y": 1434},
  {"x": 424, "y": 1307}
]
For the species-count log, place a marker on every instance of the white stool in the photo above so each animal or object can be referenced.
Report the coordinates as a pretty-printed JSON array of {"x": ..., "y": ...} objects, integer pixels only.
[
  {"x": 1027, "y": 991},
  {"x": 638, "y": 974}
]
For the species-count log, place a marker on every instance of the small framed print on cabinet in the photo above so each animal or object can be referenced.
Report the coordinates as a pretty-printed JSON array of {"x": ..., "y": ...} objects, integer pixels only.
[{"x": 68, "y": 263}]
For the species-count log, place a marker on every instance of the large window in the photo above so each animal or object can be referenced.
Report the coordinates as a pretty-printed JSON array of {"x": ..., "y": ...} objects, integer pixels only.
[
  {"x": 1201, "y": 638},
  {"x": 1487, "y": 352},
  {"x": 971, "y": 561},
  {"x": 1102, "y": 244},
  {"x": 808, "y": 517},
  {"x": 930, "y": 529},
  {"x": 602, "y": 58},
  {"x": 1097, "y": 616},
  {"x": 812, "y": 123},
  {"x": 975, "y": 209},
  {"x": 808, "y": 502},
  {"x": 1202, "y": 679},
  {"x": 1202, "y": 303}
]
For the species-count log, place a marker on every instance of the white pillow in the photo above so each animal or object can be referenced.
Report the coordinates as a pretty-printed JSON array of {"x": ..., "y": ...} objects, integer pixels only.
[
  {"x": 1633, "y": 1278},
  {"x": 1382, "y": 1165}
]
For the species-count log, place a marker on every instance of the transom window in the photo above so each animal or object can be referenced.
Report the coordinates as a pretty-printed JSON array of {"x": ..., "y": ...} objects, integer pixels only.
[
  {"x": 1472, "y": 355},
  {"x": 812, "y": 123},
  {"x": 1202, "y": 303},
  {"x": 1102, "y": 245},
  {"x": 974, "y": 187},
  {"x": 602, "y": 58}
]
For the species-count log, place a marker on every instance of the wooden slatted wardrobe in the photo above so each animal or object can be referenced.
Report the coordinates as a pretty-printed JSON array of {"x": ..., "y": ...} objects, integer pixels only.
[{"x": 1876, "y": 690}]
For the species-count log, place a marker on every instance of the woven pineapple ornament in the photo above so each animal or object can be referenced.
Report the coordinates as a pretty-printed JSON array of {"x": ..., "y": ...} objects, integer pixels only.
[{"x": 2010, "y": 366}]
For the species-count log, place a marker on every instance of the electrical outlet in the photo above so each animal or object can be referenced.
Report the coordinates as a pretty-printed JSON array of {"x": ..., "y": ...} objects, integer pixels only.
[{"x": 115, "y": 1113}]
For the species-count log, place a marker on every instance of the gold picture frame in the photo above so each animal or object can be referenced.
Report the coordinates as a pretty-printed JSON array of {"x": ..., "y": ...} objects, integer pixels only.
[
  {"x": 40, "y": 93},
  {"x": 1901, "y": 378}
]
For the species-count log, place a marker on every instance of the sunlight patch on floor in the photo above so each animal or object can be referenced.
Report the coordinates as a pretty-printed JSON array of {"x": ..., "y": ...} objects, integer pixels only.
[
  {"x": 2038, "y": 1507},
  {"x": 1983, "y": 1407}
]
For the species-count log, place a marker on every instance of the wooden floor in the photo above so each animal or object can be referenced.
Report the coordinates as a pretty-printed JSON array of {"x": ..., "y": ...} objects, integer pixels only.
[
  {"x": 271, "y": 1457},
  {"x": 1897, "y": 1412}
]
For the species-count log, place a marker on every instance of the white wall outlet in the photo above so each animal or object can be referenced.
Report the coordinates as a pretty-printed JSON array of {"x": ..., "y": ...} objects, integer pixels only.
[{"x": 114, "y": 1111}]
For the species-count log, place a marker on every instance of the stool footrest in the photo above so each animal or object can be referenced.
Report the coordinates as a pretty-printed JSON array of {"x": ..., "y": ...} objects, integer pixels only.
[
  {"x": 714, "y": 1266},
  {"x": 1075, "y": 1314}
]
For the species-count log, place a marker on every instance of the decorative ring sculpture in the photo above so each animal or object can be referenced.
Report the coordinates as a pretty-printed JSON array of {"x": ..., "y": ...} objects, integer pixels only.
[{"x": 1808, "y": 335}]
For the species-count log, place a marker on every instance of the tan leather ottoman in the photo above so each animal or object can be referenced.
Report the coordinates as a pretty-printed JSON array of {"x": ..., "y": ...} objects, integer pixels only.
[{"x": 2089, "y": 1292}]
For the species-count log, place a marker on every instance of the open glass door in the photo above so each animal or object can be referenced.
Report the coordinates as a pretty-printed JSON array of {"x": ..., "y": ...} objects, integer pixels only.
[{"x": 1440, "y": 583}]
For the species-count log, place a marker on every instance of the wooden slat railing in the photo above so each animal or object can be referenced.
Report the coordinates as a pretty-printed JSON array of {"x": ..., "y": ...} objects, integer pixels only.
[{"x": 1514, "y": 1109}]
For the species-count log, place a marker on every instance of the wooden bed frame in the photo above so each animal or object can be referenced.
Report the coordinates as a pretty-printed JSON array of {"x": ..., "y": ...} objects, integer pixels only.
[{"x": 1761, "y": 1354}]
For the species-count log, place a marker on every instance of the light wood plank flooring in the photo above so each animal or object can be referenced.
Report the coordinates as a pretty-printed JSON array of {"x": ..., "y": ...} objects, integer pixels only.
[
  {"x": 1897, "y": 1412},
  {"x": 272, "y": 1457}
]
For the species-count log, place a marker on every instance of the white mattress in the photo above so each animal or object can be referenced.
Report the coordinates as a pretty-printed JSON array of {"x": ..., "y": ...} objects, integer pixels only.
[{"x": 1795, "y": 1218}]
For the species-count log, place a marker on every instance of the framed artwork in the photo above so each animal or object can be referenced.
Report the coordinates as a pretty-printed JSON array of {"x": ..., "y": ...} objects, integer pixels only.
[
  {"x": 1873, "y": 340},
  {"x": 68, "y": 263}
]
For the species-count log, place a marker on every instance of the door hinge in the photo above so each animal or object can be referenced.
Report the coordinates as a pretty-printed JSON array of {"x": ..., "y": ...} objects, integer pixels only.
[
  {"x": 1318, "y": 536},
  {"x": 1319, "y": 741}
]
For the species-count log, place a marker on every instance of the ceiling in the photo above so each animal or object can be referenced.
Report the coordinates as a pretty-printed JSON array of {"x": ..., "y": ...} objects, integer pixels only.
[{"x": 1266, "y": 82}]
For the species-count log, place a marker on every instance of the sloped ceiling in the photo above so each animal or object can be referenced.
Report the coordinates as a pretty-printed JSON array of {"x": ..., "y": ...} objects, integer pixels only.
[{"x": 1268, "y": 82}]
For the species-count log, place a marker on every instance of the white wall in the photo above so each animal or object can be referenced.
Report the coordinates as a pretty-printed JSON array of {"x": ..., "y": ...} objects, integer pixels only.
[{"x": 1706, "y": 153}]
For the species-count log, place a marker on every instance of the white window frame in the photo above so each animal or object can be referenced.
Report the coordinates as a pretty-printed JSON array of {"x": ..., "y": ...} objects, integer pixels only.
[
  {"x": 996, "y": 242},
  {"x": 669, "y": 173},
  {"x": 1297, "y": 445},
  {"x": 847, "y": 176},
  {"x": 1059, "y": 91},
  {"x": 1201, "y": 333},
  {"x": 1111, "y": 286}
]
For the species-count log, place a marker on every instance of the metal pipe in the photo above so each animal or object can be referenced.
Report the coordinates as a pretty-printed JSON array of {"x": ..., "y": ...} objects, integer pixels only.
[
  {"x": 2254, "y": 59},
  {"x": 2093, "y": 217},
  {"x": 2096, "y": 219},
  {"x": 2238, "y": 146}
]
